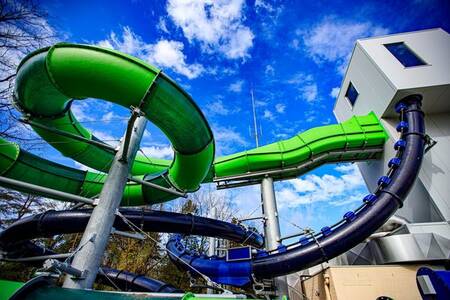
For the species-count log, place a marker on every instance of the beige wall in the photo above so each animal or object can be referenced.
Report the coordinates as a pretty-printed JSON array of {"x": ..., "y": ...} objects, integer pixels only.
[{"x": 363, "y": 282}]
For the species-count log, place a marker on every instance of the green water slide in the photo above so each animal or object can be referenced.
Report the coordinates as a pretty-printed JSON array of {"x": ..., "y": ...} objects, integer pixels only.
[
  {"x": 50, "y": 79},
  {"x": 48, "y": 291}
]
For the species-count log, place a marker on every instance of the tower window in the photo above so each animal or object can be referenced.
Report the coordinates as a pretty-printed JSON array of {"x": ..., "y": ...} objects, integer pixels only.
[
  {"x": 404, "y": 55},
  {"x": 351, "y": 94}
]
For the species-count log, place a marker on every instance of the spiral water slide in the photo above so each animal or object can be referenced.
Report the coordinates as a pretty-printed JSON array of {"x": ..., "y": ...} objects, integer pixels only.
[{"x": 50, "y": 79}]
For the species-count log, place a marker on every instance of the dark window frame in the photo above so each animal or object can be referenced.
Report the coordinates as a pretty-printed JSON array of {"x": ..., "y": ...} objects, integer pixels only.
[
  {"x": 405, "y": 55},
  {"x": 351, "y": 94}
]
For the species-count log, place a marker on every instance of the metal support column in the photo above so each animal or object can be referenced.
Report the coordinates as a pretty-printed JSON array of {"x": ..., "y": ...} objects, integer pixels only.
[
  {"x": 212, "y": 246},
  {"x": 96, "y": 235},
  {"x": 272, "y": 227}
]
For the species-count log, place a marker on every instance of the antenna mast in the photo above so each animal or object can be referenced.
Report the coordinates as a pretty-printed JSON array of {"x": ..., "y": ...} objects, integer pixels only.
[{"x": 254, "y": 118}]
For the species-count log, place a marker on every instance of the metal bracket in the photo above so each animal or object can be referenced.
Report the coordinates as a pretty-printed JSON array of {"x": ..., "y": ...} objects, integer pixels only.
[
  {"x": 136, "y": 113},
  {"x": 55, "y": 265},
  {"x": 265, "y": 287},
  {"x": 137, "y": 236},
  {"x": 69, "y": 135},
  {"x": 429, "y": 142},
  {"x": 251, "y": 219},
  {"x": 293, "y": 235},
  {"x": 158, "y": 187}
]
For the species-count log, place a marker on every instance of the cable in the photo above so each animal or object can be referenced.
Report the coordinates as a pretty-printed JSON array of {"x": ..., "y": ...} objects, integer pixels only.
[
  {"x": 109, "y": 279},
  {"x": 136, "y": 229}
]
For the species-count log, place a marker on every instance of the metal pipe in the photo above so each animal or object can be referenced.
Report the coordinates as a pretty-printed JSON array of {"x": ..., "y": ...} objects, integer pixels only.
[
  {"x": 38, "y": 258},
  {"x": 272, "y": 227},
  {"x": 69, "y": 135},
  {"x": 251, "y": 219},
  {"x": 98, "y": 229},
  {"x": 327, "y": 283},
  {"x": 48, "y": 192},
  {"x": 292, "y": 235},
  {"x": 130, "y": 235},
  {"x": 53, "y": 264},
  {"x": 377, "y": 235},
  {"x": 212, "y": 250},
  {"x": 158, "y": 187},
  {"x": 126, "y": 144},
  {"x": 254, "y": 118}
]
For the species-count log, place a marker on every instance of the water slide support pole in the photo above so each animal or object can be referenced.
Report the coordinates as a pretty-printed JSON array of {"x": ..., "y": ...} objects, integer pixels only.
[
  {"x": 272, "y": 227},
  {"x": 212, "y": 246},
  {"x": 95, "y": 238}
]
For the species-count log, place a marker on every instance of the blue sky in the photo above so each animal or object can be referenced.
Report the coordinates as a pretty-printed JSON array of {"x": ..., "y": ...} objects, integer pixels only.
[{"x": 292, "y": 53}]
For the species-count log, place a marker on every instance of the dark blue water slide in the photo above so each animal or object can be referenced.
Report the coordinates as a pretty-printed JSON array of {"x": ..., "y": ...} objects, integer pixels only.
[
  {"x": 334, "y": 240},
  {"x": 127, "y": 281},
  {"x": 51, "y": 223},
  {"x": 15, "y": 241}
]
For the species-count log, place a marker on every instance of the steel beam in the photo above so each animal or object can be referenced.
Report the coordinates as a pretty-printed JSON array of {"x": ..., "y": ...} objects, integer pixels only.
[
  {"x": 50, "y": 193},
  {"x": 92, "y": 246},
  {"x": 272, "y": 227}
]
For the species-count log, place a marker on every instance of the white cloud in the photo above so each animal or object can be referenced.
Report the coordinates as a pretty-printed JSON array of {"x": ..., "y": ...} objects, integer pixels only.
[
  {"x": 268, "y": 115},
  {"x": 309, "y": 92},
  {"x": 162, "y": 25},
  {"x": 80, "y": 110},
  {"x": 295, "y": 44},
  {"x": 165, "y": 152},
  {"x": 280, "y": 108},
  {"x": 300, "y": 78},
  {"x": 163, "y": 54},
  {"x": 169, "y": 54},
  {"x": 260, "y": 103},
  {"x": 217, "y": 108},
  {"x": 106, "y": 137},
  {"x": 147, "y": 133},
  {"x": 332, "y": 40},
  {"x": 216, "y": 25},
  {"x": 335, "y": 92},
  {"x": 307, "y": 87},
  {"x": 83, "y": 112},
  {"x": 260, "y": 4},
  {"x": 303, "y": 186},
  {"x": 236, "y": 86},
  {"x": 111, "y": 116},
  {"x": 228, "y": 140},
  {"x": 337, "y": 190},
  {"x": 269, "y": 71}
]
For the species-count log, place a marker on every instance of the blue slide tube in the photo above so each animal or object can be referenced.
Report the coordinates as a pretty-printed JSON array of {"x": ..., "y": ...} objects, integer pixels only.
[
  {"x": 128, "y": 281},
  {"x": 51, "y": 223},
  {"x": 217, "y": 269},
  {"x": 334, "y": 240}
]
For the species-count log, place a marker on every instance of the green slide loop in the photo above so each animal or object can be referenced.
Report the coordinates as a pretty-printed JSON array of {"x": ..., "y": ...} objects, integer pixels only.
[{"x": 48, "y": 80}]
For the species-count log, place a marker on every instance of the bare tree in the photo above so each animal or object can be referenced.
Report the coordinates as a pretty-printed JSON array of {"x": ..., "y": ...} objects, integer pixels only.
[{"x": 23, "y": 28}]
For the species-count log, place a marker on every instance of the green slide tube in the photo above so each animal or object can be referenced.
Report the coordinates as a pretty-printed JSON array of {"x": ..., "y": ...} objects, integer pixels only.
[
  {"x": 50, "y": 79},
  {"x": 357, "y": 133}
]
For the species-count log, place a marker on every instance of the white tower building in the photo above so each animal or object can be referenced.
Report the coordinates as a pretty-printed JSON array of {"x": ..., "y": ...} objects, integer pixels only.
[{"x": 382, "y": 71}]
